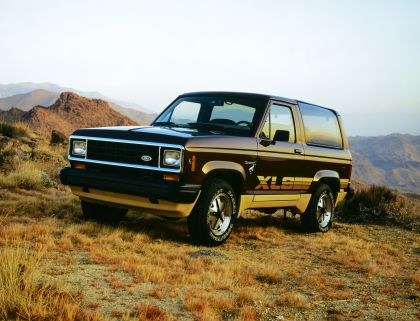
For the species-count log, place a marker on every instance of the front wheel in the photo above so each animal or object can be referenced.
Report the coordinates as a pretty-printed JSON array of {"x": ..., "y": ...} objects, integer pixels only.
[
  {"x": 319, "y": 215},
  {"x": 212, "y": 218},
  {"x": 102, "y": 213}
]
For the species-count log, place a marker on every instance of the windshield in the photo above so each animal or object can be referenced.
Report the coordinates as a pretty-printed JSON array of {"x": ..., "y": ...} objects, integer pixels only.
[{"x": 227, "y": 115}]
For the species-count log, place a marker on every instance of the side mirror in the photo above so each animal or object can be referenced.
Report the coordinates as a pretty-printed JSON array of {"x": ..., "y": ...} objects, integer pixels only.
[{"x": 281, "y": 136}]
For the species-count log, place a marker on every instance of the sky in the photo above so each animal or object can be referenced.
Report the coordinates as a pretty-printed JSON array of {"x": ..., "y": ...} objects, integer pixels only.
[{"x": 361, "y": 58}]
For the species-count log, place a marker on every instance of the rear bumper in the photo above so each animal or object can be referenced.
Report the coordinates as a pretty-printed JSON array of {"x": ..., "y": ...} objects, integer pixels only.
[
  {"x": 135, "y": 186},
  {"x": 344, "y": 194}
]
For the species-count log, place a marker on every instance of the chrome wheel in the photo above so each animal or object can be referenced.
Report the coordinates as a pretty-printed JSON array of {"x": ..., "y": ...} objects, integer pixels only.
[
  {"x": 324, "y": 210},
  {"x": 219, "y": 214}
]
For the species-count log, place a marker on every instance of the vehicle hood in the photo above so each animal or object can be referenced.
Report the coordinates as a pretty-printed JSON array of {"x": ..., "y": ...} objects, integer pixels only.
[{"x": 158, "y": 134}]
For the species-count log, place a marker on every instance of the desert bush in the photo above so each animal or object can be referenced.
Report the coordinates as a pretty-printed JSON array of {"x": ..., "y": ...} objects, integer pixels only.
[
  {"x": 28, "y": 176},
  {"x": 380, "y": 205},
  {"x": 15, "y": 130}
]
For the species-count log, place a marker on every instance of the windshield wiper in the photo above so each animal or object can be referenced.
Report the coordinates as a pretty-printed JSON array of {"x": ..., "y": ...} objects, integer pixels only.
[
  {"x": 164, "y": 123},
  {"x": 168, "y": 123},
  {"x": 208, "y": 126}
]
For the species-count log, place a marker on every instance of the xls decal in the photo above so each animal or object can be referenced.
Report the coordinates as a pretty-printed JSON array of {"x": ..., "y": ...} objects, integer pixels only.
[{"x": 286, "y": 183}]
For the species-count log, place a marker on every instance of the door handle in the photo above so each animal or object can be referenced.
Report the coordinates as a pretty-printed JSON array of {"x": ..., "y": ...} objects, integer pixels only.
[{"x": 298, "y": 151}]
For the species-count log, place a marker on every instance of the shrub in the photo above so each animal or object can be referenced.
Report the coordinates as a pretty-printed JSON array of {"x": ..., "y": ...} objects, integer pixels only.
[
  {"x": 14, "y": 130},
  {"x": 380, "y": 205}
]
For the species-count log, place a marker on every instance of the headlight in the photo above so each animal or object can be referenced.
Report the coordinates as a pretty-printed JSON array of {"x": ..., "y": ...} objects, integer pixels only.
[
  {"x": 79, "y": 148},
  {"x": 172, "y": 158}
]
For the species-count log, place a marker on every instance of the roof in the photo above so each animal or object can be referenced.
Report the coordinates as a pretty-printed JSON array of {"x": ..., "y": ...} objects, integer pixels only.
[
  {"x": 239, "y": 94},
  {"x": 250, "y": 95}
]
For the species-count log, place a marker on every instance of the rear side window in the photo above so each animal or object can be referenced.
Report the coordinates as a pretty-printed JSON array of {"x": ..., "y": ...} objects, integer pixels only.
[{"x": 321, "y": 126}]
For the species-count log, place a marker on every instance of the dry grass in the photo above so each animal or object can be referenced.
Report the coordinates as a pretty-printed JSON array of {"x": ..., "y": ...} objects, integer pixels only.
[
  {"x": 25, "y": 293},
  {"x": 244, "y": 280},
  {"x": 28, "y": 176},
  {"x": 294, "y": 299},
  {"x": 15, "y": 130}
]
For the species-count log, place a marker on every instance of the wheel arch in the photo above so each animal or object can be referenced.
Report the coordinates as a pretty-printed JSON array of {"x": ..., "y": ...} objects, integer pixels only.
[
  {"x": 231, "y": 172},
  {"x": 328, "y": 177}
]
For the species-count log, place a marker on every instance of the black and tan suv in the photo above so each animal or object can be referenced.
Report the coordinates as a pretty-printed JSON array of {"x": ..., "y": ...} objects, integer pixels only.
[{"x": 211, "y": 155}]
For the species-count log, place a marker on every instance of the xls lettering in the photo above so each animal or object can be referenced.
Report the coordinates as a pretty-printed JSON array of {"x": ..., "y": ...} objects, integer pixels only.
[{"x": 286, "y": 183}]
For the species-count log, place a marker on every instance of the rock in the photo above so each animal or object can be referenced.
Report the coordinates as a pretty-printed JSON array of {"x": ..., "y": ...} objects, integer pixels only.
[
  {"x": 57, "y": 137},
  {"x": 205, "y": 252}
]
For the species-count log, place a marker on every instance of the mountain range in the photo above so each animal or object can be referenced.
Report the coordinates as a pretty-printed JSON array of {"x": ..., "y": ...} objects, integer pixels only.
[
  {"x": 27, "y": 95},
  {"x": 391, "y": 160},
  {"x": 69, "y": 112},
  {"x": 25, "y": 87}
]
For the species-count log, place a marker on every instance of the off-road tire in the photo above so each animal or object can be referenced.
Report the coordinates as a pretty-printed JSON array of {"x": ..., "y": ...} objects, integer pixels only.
[
  {"x": 102, "y": 213},
  {"x": 201, "y": 219},
  {"x": 316, "y": 218}
]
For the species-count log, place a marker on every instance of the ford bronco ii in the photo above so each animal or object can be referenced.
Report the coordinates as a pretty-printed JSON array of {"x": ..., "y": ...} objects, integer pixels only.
[{"x": 209, "y": 156}]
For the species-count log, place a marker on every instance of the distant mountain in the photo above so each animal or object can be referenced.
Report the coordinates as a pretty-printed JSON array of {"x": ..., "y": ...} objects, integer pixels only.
[
  {"x": 392, "y": 160},
  {"x": 28, "y": 100},
  {"x": 68, "y": 113},
  {"x": 26, "y": 87},
  {"x": 42, "y": 97},
  {"x": 138, "y": 116}
]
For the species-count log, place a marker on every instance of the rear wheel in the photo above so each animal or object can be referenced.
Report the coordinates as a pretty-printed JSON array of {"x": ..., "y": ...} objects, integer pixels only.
[
  {"x": 102, "y": 213},
  {"x": 212, "y": 218},
  {"x": 319, "y": 215}
]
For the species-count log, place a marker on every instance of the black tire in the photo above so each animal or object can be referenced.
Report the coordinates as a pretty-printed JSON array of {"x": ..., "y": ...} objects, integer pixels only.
[
  {"x": 211, "y": 221},
  {"x": 319, "y": 215},
  {"x": 102, "y": 213}
]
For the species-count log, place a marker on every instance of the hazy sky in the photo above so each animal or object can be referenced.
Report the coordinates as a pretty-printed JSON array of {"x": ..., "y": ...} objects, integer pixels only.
[{"x": 354, "y": 56}]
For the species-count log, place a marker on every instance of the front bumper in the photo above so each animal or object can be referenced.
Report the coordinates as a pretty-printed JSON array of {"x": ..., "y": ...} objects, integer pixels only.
[{"x": 123, "y": 184}]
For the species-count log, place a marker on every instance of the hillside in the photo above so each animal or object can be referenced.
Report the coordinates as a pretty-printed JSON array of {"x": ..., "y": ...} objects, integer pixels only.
[
  {"x": 68, "y": 113},
  {"x": 25, "y": 102},
  {"x": 392, "y": 160}
]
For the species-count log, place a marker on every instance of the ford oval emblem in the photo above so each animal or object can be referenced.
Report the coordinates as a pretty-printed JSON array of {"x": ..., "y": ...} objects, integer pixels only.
[{"x": 146, "y": 158}]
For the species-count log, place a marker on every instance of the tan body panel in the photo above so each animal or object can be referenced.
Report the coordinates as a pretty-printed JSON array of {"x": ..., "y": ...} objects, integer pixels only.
[{"x": 163, "y": 208}]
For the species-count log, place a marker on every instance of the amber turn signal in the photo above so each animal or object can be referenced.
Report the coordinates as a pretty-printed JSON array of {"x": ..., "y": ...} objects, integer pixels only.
[
  {"x": 79, "y": 166},
  {"x": 171, "y": 178},
  {"x": 193, "y": 163}
]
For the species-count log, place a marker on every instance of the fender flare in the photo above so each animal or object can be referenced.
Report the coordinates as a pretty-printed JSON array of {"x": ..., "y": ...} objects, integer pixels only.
[
  {"x": 326, "y": 174},
  {"x": 224, "y": 166}
]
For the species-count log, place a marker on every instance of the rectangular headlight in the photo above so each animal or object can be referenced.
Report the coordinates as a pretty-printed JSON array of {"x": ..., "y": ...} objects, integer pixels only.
[
  {"x": 79, "y": 148},
  {"x": 172, "y": 158}
]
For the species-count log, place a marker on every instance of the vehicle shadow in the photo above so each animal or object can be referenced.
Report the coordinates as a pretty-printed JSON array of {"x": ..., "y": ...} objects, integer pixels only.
[
  {"x": 255, "y": 219},
  {"x": 175, "y": 230},
  {"x": 157, "y": 228}
]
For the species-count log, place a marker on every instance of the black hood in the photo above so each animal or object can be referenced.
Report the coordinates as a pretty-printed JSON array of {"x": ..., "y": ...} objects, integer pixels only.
[{"x": 156, "y": 134}]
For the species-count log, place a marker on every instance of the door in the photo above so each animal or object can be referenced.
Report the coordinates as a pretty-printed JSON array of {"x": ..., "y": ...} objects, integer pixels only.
[{"x": 280, "y": 156}]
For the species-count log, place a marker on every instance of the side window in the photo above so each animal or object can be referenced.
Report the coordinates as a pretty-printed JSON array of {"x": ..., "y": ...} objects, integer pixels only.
[
  {"x": 278, "y": 123},
  {"x": 186, "y": 112},
  {"x": 321, "y": 126}
]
